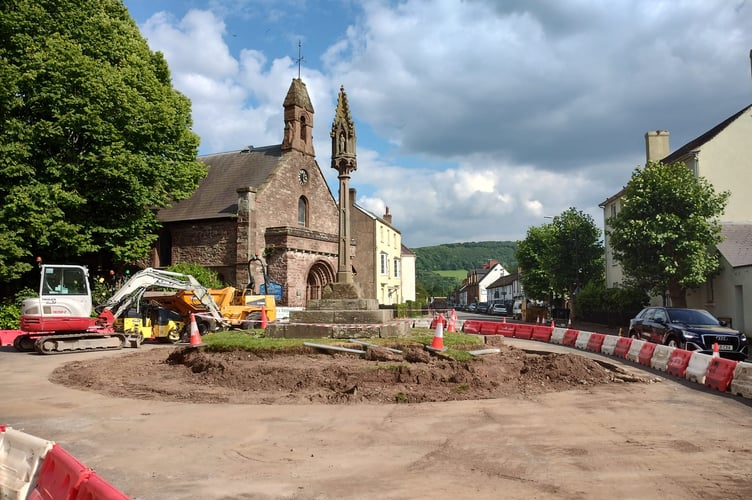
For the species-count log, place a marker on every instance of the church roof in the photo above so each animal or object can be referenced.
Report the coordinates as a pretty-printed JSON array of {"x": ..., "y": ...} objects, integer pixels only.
[{"x": 216, "y": 195}]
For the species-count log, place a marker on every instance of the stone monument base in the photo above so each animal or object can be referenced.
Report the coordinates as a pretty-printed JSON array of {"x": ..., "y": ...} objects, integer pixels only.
[{"x": 340, "y": 314}]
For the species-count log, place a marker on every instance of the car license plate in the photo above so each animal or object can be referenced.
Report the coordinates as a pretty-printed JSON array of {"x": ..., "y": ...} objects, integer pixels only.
[{"x": 725, "y": 347}]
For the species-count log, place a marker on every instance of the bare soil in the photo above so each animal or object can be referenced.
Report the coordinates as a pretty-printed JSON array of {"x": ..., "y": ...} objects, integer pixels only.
[{"x": 311, "y": 376}]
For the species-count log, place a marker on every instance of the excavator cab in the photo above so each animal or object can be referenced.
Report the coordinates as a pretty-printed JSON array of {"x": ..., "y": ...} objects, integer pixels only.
[{"x": 64, "y": 302}]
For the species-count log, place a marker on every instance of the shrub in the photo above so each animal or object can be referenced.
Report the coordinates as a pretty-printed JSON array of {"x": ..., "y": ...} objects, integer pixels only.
[
  {"x": 205, "y": 276},
  {"x": 612, "y": 306},
  {"x": 10, "y": 309}
]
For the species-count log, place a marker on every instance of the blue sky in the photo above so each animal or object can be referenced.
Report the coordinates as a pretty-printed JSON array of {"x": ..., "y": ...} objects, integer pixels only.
[{"x": 475, "y": 119}]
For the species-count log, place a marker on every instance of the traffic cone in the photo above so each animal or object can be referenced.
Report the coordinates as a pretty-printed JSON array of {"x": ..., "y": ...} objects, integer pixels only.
[
  {"x": 569, "y": 323},
  {"x": 438, "y": 338},
  {"x": 195, "y": 335},
  {"x": 553, "y": 324},
  {"x": 264, "y": 319},
  {"x": 452, "y": 321},
  {"x": 716, "y": 351}
]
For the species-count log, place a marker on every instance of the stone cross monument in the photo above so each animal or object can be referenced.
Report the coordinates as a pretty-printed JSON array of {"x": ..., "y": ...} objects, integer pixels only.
[{"x": 344, "y": 161}]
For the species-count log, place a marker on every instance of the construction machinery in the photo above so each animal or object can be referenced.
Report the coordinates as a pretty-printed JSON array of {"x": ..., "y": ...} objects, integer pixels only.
[
  {"x": 152, "y": 322},
  {"x": 61, "y": 318},
  {"x": 241, "y": 309}
]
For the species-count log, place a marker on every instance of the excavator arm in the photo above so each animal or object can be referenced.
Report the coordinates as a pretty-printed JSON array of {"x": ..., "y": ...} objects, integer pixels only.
[{"x": 133, "y": 289}]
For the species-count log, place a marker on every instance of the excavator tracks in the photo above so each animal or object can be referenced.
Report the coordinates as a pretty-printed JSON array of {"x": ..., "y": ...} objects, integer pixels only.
[{"x": 76, "y": 342}]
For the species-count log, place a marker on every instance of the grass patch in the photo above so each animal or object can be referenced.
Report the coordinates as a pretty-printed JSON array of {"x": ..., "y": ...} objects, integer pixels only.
[{"x": 456, "y": 343}]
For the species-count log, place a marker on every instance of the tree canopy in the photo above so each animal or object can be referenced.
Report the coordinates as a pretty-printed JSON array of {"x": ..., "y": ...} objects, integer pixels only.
[
  {"x": 665, "y": 233},
  {"x": 93, "y": 138},
  {"x": 561, "y": 257}
]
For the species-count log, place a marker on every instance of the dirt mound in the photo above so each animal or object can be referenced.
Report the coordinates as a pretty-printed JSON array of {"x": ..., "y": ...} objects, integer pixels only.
[{"x": 306, "y": 375}]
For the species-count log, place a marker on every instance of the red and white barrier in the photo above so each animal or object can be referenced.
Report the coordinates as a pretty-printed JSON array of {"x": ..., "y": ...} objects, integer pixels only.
[
  {"x": 582, "y": 340},
  {"x": 609, "y": 344},
  {"x": 557, "y": 337},
  {"x": 741, "y": 385},
  {"x": 36, "y": 469},
  {"x": 698, "y": 367},
  {"x": 634, "y": 350},
  {"x": 20, "y": 457},
  {"x": 661, "y": 355}
]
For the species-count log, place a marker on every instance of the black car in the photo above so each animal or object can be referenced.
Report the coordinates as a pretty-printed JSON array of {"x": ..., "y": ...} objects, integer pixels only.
[{"x": 690, "y": 329}]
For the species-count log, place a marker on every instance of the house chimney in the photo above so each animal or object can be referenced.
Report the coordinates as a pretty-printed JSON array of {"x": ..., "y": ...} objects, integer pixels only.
[
  {"x": 656, "y": 145},
  {"x": 353, "y": 193},
  {"x": 388, "y": 216}
]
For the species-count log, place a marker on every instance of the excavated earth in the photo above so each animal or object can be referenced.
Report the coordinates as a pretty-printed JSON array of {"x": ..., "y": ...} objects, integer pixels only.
[{"x": 308, "y": 375}]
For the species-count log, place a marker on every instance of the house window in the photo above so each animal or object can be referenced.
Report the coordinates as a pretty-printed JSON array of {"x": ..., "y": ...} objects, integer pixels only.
[
  {"x": 396, "y": 267},
  {"x": 303, "y": 212},
  {"x": 384, "y": 264}
]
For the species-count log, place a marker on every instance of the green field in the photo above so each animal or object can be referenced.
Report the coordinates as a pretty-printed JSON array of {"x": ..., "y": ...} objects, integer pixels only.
[{"x": 459, "y": 274}]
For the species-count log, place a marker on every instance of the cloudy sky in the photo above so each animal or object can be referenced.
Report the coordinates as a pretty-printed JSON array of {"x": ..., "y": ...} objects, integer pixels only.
[{"x": 475, "y": 119}]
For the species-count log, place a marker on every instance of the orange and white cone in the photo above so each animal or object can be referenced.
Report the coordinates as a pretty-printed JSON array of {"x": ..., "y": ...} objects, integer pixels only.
[
  {"x": 264, "y": 319},
  {"x": 195, "y": 335},
  {"x": 452, "y": 320},
  {"x": 716, "y": 351},
  {"x": 438, "y": 338}
]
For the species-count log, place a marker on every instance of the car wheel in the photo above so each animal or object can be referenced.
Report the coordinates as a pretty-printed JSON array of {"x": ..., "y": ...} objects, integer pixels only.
[{"x": 672, "y": 342}]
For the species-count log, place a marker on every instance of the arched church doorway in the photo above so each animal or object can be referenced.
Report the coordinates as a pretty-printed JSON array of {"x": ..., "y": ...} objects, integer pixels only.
[{"x": 320, "y": 275}]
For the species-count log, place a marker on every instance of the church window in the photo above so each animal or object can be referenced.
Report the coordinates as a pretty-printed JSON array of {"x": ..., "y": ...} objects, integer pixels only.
[
  {"x": 303, "y": 131},
  {"x": 303, "y": 212}
]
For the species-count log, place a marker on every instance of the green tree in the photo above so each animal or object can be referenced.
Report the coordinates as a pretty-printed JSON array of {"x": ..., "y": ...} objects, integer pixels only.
[
  {"x": 561, "y": 257},
  {"x": 665, "y": 233},
  {"x": 530, "y": 255},
  {"x": 93, "y": 138}
]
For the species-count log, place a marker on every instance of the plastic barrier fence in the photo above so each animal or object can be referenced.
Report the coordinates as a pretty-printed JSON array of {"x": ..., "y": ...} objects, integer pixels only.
[
  {"x": 622, "y": 347},
  {"x": 720, "y": 372},
  {"x": 20, "y": 457},
  {"x": 678, "y": 362},
  {"x": 609, "y": 344},
  {"x": 634, "y": 350},
  {"x": 471, "y": 326},
  {"x": 660, "y": 358},
  {"x": 570, "y": 337},
  {"x": 646, "y": 353},
  {"x": 596, "y": 342},
  {"x": 557, "y": 336},
  {"x": 698, "y": 367},
  {"x": 35, "y": 469},
  {"x": 506, "y": 329},
  {"x": 741, "y": 385},
  {"x": 715, "y": 372},
  {"x": 522, "y": 331},
  {"x": 542, "y": 333},
  {"x": 582, "y": 340}
]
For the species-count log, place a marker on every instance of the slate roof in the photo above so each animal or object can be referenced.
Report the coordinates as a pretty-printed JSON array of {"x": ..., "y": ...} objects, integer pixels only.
[
  {"x": 505, "y": 280},
  {"x": 216, "y": 196},
  {"x": 736, "y": 246}
]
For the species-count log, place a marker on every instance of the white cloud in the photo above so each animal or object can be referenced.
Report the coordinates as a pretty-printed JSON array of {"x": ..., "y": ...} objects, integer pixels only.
[{"x": 478, "y": 117}]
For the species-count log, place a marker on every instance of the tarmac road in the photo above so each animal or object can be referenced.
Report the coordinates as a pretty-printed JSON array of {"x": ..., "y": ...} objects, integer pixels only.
[{"x": 664, "y": 440}]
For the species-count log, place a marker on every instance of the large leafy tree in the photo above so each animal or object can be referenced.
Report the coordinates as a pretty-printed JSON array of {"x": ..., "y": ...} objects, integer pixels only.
[
  {"x": 93, "y": 138},
  {"x": 665, "y": 233},
  {"x": 561, "y": 257}
]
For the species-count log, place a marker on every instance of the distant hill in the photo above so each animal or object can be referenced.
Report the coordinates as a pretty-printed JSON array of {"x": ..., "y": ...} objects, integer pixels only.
[
  {"x": 465, "y": 256},
  {"x": 440, "y": 269}
]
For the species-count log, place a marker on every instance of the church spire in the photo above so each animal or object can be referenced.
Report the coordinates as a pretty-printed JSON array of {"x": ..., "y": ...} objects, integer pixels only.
[{"x": 298, "y": 119}]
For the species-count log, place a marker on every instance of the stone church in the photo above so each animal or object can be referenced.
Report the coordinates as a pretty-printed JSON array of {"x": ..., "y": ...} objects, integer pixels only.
[{"x": 271, "y": 201}]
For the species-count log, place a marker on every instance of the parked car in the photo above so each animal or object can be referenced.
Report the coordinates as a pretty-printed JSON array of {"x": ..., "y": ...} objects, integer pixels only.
[
  {"x": 472, "y": 307},
  {"x": 498, "y": 310},
  {"x": 517, "y": 309},
  {"x": 483, "y": 307},
  {"x": 690, "y": 329}
]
